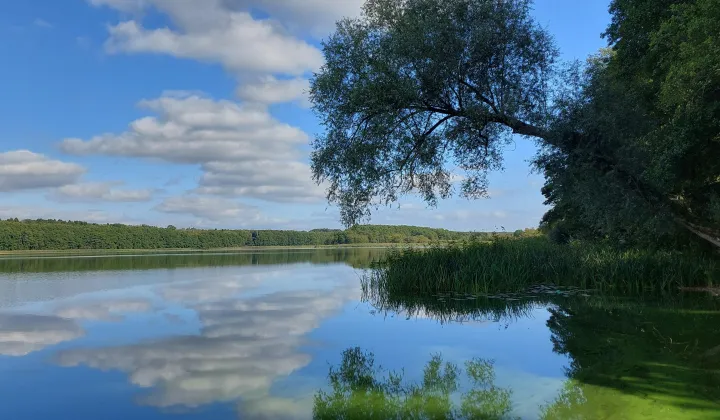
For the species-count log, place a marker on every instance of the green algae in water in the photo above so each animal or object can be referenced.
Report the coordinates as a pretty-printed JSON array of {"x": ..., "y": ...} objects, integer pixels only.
[
  {"x": 629, "y": 358},
  {"x": 639, "y": 360}
]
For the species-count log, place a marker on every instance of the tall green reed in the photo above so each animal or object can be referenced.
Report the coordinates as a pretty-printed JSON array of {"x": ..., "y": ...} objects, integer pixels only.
[{"x": 512, "y": 265}]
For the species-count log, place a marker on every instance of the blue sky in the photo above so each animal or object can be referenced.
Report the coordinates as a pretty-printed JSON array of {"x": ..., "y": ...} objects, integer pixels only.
[{"x": 192, "y": 113}]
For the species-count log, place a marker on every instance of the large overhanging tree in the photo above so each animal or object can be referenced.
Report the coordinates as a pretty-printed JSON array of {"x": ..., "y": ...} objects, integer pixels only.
[{"x": 415, "y": 90}]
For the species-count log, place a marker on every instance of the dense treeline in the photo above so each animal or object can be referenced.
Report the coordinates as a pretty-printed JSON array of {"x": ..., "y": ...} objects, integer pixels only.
[
  {"x": 17, "y": 235},
  {"x": 632, "y": 153}
]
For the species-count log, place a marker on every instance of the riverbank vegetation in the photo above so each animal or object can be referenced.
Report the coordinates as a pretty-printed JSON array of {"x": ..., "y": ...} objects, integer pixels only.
[
  {"x": 513, "y": 265},
  {"x": 17, "y": 235},
  {"x": 415, "y": 91},
  {"x": 416, "y": 94}
]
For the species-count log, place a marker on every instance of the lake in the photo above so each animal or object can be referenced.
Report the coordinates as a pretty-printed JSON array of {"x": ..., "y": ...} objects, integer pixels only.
[{"x": 285, "y": 334}]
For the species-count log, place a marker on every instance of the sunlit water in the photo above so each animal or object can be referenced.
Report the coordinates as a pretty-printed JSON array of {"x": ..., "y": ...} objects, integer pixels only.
[{"x": 253, "y": 336}]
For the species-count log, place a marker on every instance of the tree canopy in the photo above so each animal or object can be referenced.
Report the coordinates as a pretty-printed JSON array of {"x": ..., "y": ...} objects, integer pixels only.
[
  {"x": 415, "y": 91},
  {"x": 643, "y": 163}
]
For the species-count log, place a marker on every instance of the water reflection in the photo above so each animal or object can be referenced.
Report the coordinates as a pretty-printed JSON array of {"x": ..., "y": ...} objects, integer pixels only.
[
  {"x": 361, "y": 390},
  {"x": 254, "y": 342},
  {"x": 103, "y": 310},
  {"x": 355, "y": 257},
  {"x": 636, "y": 354},
  {"x": 628, "y": 358},
  {"x": 22, "y": 334},
  {"x": 34, "y": 279},
  {"x": 244, "y": 345}
]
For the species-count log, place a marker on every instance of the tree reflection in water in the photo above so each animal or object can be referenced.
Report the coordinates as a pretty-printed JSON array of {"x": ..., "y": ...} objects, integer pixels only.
[
  {"x": 635, "y": 357},
  {"x": 360, "y": 390}
]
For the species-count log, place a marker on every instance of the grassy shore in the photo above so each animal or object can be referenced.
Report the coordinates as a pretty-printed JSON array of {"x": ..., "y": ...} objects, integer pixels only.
[{"x": 508, "y": 265}]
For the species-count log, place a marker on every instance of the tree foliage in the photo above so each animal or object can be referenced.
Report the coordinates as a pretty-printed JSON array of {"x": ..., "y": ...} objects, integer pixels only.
[
  {"x": 416, "y": 90},
  {"x": 642, "y": 164},
  {"x": 16, "y": 235}
]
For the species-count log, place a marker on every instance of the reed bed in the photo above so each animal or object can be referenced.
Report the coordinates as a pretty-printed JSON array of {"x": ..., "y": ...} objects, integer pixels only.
[{"x": 513, "y": 265}]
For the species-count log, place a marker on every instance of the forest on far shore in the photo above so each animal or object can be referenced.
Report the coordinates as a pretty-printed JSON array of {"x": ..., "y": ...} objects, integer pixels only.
[{"x": 21, "y": 235}]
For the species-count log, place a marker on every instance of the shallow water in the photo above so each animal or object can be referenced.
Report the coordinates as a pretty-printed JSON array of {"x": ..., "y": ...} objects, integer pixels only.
[{"x": 253, "y": 336}]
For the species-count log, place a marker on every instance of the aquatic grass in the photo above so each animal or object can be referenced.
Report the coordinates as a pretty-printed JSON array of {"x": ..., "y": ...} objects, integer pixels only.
[{"x": 512, "y": 265}]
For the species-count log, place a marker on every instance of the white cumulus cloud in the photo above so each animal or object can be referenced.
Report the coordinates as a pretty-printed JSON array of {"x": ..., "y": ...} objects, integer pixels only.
[
  {"x": 210, "y": 208},
  {"x": 226, "y": 32},
  {"x": 316, "y": 17},
  {"x": 100, "y": 191},
  {"x": 23, "y": 169},
  {"x": 242, "y": 149},
  {"x": 196, "y": 129},
  {"x": 209, "y": 31},
  {"x": 272, "y": 180},
  {"x": 270, "y": 90}
]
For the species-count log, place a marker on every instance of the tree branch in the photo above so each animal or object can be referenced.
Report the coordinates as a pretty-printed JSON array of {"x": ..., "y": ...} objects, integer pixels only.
[
  {"x": 430, "y": 108},
  {"x": 419, "y": 143},
  {"x": 519, "y": 127},
  {"x": 480, "y": 95},
  {"x": 364, "y": 120},
  {"x": 701, "y": 232}
]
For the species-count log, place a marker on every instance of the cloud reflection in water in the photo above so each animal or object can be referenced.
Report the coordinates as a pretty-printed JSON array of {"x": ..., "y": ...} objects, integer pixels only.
[
  {"x": 22, "y": 334},
  {"x": 244, "y": 346}
]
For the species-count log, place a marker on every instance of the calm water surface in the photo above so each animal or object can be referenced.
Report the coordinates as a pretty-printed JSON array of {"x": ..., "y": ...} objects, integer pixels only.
[{"x": 253, "y": 336}]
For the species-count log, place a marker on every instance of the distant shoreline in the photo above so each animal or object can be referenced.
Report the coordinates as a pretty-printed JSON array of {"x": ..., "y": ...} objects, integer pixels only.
[
  {"x": 245, "y": 249},
  {"x": 42, "y": 237}
]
